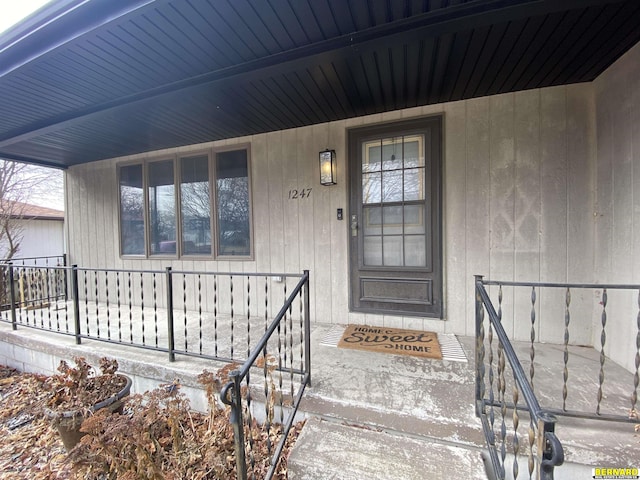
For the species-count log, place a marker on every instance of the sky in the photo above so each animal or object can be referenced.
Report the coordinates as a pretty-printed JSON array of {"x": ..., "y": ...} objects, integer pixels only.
[{"x": 12, "y": 11}]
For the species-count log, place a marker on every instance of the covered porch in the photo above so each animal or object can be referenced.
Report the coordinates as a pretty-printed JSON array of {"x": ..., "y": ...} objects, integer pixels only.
[
  {"x": 371, "y": 413},
  {"x": 478, "y": 410}
]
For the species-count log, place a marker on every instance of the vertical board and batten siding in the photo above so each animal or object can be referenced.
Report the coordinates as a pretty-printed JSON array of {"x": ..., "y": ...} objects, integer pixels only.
[
  {"x": 517, "y": 187},
  {"x": 617, "y": 207}
]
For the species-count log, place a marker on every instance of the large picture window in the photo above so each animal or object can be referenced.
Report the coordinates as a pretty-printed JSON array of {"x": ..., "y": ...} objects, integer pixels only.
[{"x": 167, "y": 206}]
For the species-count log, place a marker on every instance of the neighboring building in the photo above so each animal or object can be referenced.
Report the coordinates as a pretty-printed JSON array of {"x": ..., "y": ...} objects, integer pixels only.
[
  {"x": 41, "y": 231},
  {"x": 482, "y": 137}
]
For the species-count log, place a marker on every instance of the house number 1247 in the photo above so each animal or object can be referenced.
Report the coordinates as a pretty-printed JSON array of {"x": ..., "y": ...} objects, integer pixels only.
[{"x": 297, "y": 194}]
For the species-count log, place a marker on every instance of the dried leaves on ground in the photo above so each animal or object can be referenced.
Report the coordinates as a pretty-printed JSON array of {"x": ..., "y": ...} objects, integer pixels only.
[{"x": 158, "y": 436}]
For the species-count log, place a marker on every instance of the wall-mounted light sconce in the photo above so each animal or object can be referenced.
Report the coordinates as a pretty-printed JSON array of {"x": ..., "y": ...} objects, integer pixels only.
[{"x": 328, "y": 167}]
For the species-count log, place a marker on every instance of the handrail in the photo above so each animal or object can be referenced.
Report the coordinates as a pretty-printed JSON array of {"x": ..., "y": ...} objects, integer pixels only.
[
  {"x": 518, "y": 371},
  {"x": 230, "y": 394},
  {"x": 608, "y": 286},
  {"x": 551, "y": 453}
]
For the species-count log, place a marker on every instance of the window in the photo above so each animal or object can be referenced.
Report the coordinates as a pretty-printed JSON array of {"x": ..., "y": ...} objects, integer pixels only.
[
  {"x": 195, "y": 204},
  {"x": 162, "y": 208},
  {"x": 167, "y": 206},
  {"x": 131, "y": 210},
  {"x": 232, "y": 184}
]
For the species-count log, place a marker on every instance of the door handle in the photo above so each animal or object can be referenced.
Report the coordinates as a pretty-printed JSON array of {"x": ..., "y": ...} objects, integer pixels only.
[{"x": 354, "y": 225}]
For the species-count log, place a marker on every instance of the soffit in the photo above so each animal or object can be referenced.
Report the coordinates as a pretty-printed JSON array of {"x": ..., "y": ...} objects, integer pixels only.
[{"x": 83, "y": 81}]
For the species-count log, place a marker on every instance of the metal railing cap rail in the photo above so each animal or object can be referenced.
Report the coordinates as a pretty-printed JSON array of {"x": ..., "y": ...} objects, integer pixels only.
[
  {"x": 612, "y": 286},
  {"x": 237, "y": 274}
]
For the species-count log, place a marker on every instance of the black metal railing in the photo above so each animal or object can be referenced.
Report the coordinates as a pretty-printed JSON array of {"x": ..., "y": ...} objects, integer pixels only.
[
  {"x": 256, "y": 320},
  {"x": 506, "y": 400},
  {"x": 282, "y": 362},
  {"x": 212, "y": 315},
  {"x": 31, "y": 287}
]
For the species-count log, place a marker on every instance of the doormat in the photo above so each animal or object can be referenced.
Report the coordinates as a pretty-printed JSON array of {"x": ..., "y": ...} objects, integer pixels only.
[{"x": 391, "y": 340}]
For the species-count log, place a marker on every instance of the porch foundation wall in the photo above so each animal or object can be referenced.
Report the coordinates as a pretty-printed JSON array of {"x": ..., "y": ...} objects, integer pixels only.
[{"x": 36, "y": 352}]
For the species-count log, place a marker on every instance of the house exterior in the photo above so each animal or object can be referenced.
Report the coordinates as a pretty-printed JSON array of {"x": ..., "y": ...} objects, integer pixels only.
[
  {"x": 41, "y": 231},
  {"x": 492, "y": 138}
]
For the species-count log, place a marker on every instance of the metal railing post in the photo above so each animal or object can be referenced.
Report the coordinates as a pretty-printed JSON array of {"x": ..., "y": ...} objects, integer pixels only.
[
  {"x": 550, "y": 451},
  {"x": 479, "y": 347},
  {"x": 238, "y": 428},
  {"x": 12, "y": 298},
  {"x": 307, "y": 330},
  {"x": 170, "y": 338},
  {"x": 64, "y": 277},
  {"x": 76, "y": 302}
]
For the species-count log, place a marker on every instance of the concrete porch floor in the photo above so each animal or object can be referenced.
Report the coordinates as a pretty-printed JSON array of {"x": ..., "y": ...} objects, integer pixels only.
[{"x": 370, "y": 414}]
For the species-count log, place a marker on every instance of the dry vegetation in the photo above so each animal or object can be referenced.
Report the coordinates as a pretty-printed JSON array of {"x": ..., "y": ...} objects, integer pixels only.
[{"x": 157, "y": 436}]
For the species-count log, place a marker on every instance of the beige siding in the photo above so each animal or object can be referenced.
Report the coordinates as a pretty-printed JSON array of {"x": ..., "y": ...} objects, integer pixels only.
[
  {"x": 517, "y": 183},
  {"x": 617, "y": 209}
]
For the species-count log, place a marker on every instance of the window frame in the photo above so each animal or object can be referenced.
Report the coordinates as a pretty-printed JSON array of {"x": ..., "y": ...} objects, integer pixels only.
[{"x": 211, "y": 154}]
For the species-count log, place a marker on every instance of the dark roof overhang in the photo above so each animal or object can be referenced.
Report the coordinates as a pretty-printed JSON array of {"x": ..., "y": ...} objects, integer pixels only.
[{"x": 87, "y": 80}]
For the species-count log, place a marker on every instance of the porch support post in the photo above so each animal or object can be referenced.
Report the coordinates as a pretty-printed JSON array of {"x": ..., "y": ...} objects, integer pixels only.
[
  {"x": 479, "y": 346},
  {"x": 307, "y": 329},
  {"x": 12, "y": 298},
  {"x": 76, "y": 302},
  {"x": 170, "y": 338}
]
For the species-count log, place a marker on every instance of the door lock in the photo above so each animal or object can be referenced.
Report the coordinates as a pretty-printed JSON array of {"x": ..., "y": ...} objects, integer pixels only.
[{"x": 354, "y": 225}]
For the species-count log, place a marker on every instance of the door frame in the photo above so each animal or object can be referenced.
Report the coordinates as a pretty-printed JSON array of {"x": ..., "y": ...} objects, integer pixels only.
[{"x": 433, "y": 126}]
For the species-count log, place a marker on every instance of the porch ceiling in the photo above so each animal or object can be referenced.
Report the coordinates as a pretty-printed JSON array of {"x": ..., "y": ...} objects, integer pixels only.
[{"x": 87, "y": 80}]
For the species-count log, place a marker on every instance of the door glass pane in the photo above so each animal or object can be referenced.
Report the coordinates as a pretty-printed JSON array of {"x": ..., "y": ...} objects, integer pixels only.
[
  {"x": 415, "y": 251},
  {"x": 232, "y": 184},
  {"x": 371, "y": 188},
  {"x": 392, "y": 186},
  {"x": 195, "y": 204},
  {"x": 371, "y": 157},
  {"x": 372, "y": 220},
  {"x": 413, "y": 152},
  {"x": 372, "y": 251},
  {"x": 393, "y": 250},
  {"x": 414, "y": 219},
  {"x": 162, "y": 208},
  {"x": 414, "y": 184},
  {"x": 131, "y": 210},
  {"x": 393, "y": 220},
  {"x": 392, "y": 153}
]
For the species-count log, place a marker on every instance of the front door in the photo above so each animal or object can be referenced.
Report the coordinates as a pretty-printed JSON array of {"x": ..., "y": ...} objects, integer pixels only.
[{"x": 395, "y": 218}]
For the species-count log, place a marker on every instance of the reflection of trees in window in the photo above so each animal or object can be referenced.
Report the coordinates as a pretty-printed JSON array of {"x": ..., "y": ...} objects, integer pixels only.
[
  {"x": 393, "y": 170},
  {"x": 195, "y": 205},
  {"x": 393, "y": 197},
  {"x": 131, "y": 210},
  {"x": 159, "y": 221},
  {"x": 162, "y": 208},
  {"x": 232, "y": 188}
]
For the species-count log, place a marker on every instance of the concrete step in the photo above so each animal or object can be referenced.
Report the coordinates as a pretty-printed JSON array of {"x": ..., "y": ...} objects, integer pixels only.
[{"x": 333, "y": 451}]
